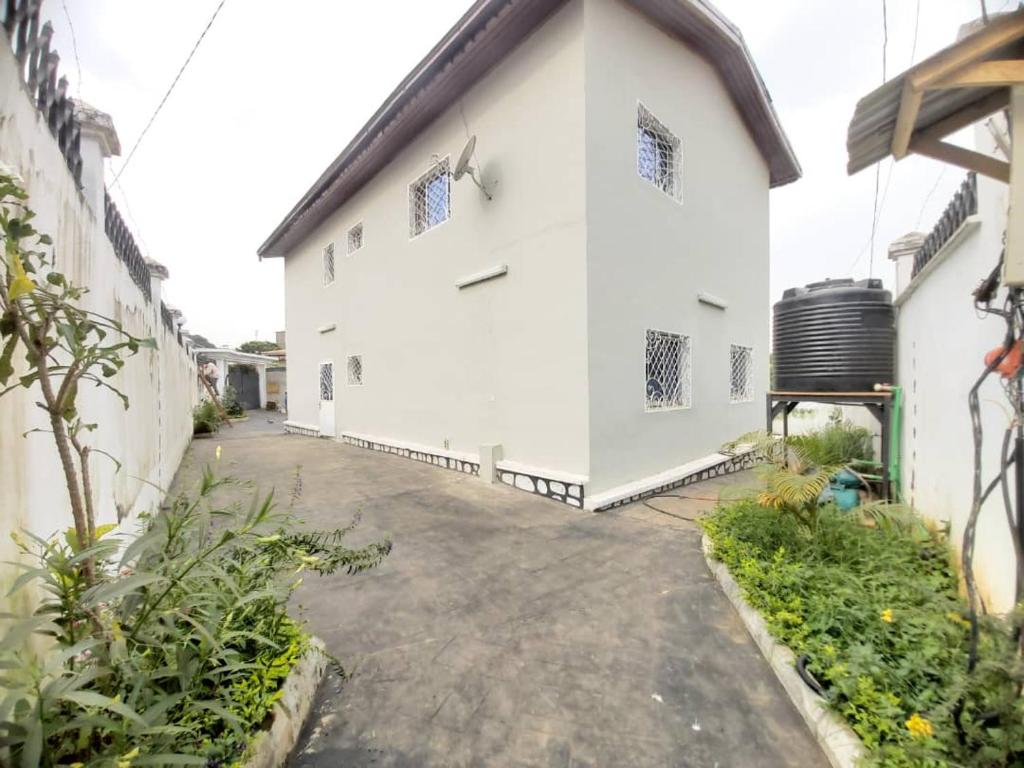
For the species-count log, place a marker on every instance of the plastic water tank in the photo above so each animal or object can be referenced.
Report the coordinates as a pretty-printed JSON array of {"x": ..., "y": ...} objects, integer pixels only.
[{"x": 834, "y": 336}]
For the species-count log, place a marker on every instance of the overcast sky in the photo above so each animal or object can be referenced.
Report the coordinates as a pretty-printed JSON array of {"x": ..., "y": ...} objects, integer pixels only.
[{"x": 277, "y": 90}]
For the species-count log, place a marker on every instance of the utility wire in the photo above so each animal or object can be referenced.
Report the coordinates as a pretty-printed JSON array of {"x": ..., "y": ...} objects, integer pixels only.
[
  {"x": 74, "y": 47},
  {"x": 878, "y": 166},
  {"x": 171, "y": 88},
  {"x": 917, "y": 22}
]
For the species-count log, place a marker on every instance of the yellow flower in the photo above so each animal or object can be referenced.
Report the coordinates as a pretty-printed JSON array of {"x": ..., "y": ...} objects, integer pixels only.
[
  {"x": 22, "y": 283},
  {"x": 887, "y": 616},
  {"x": 919, "y": 727},
  {"x": 217, "y": 453}
]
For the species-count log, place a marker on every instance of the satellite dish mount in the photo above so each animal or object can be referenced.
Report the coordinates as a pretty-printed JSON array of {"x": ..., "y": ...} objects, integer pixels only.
[{"x": 463, "y": 167}]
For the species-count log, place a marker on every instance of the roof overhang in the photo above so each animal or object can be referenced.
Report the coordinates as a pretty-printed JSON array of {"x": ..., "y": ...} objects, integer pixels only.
[
  {"x": 233, "y": 356},
  {"x": 950, "y": 90},
  {"x": 488, "y": 31}
]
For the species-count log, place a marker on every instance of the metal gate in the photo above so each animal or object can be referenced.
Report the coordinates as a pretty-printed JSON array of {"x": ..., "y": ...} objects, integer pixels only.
[{"x": 246, "y": 383}]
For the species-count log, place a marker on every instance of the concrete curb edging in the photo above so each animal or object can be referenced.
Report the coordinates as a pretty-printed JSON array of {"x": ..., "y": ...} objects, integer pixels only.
[
  {"x": 840, "y": 744},
  {"x": 271, "y": 748}
]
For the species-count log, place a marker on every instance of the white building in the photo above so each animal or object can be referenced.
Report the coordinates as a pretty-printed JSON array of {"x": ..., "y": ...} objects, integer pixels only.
[{"x": 595, "y": 323}]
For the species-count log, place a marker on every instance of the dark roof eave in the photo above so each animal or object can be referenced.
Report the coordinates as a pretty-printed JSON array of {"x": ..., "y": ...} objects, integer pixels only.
[{"x": 485, "y": 34}]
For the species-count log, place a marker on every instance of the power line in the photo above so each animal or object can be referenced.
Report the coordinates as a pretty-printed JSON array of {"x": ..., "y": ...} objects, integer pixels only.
[
  {"x": 74, "y": 47},
  {"x": 171, "y": 88},
  {"x": 917, "y": 22},
  {"x": 878, "y": 167}
]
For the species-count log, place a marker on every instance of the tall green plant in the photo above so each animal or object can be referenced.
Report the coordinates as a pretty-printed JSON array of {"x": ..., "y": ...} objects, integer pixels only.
[{"x": 63, "y": 346}]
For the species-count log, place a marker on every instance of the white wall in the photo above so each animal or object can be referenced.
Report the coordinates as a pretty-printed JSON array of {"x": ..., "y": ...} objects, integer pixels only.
[
  {"x": 500, "y": 362},
  {"x": 941, "y": 344},
  {"x": 649, "y": 256},
  {"x": 152, "y": 435}
]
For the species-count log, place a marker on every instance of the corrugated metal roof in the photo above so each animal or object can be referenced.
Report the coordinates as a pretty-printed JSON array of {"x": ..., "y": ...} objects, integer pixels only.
[
  {"x": 480, "y": 39},
  {"x": 870, "y": 135}
]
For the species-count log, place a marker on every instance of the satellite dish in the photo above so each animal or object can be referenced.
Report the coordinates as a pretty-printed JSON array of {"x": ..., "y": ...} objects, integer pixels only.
[
  {"x": 463, "y": 168},
  {"x": 467, "y": 154}
]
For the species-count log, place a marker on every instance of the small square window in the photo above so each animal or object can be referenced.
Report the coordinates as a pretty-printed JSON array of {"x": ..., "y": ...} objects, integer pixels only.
[
  {"x": 430, "y": 199},
  {"x": 329, "y": 264},
  {"x": 355, "y": 238},
  {"x": 355, "y": 370},
  {"x": 668, "y": 371},
  {"x": 659, "y": 154},
  {"x": 326, "y": 381},
  {"x": 741, "y": 374}
]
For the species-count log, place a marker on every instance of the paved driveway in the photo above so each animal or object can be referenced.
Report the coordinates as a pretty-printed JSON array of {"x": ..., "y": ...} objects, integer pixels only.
[{"x": 505, "y": 629}]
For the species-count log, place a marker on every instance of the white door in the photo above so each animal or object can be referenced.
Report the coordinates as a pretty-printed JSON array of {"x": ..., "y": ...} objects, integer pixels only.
[{"x": 327, "y": 399}]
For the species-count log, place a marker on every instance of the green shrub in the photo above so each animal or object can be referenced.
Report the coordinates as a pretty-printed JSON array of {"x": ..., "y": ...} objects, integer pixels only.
[
  {"x": 177, "y": 651},
  {"x": 837, "y": 444},
  {"x": 232, "y": 407},
  {"x": 878, "y": 613},
  {"x": 206, "y": 419}
]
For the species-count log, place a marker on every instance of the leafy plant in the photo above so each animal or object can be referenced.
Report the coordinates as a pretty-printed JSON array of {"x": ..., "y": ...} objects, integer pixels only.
[
  {"x": 257, "y": 347},
  {"x": 206, "y": 419},
  {"x": 175, "y": 652},
  {"x": 878, "y": 612},
  {"x": 232, "y": 407},
  {"x": 840, "y": 443},
  {"x": 63, "y": 346}
]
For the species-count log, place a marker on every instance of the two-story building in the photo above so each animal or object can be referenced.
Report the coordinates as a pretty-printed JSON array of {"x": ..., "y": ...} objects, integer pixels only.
[{"x": 588, "y": 322}]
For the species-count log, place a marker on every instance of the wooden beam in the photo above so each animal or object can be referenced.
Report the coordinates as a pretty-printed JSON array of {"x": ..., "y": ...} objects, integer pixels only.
[
  {"x": 984, "y": 74},
  {"x": 910, "y": 103},
  {"x": 1001, "y": 31},
  {"x": 962, "y": 158},
  {"x": 968, "y": 115}
]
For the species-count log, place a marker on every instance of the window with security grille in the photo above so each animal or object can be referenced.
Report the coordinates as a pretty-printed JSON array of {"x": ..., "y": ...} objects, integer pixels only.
[
  {"x": 327, "y": 381},
  {"x": 355, "y": 370},
  {"x": 668, "y": 371},
  {"x": 741, "y": 378},
  {"x": 355, "y": 238},
  {"x": 329, "y": 264},
  {"x": 659, "y": 154},
  {"x": 430, "y": 199}
]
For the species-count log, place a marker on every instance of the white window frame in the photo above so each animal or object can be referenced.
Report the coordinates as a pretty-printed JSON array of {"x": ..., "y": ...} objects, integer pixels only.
[
  {"x": 750, "y": 374},
  {"x": 348, "y": 370},
  {"x": 423, "y": 177},
  {"x": 676, "y": 143},
  {"x": 349, "y": 250},
  {"x": 320, "y": 382},
  {"x": 686, "y": 391},
  {"x": 329, "y": 249}
]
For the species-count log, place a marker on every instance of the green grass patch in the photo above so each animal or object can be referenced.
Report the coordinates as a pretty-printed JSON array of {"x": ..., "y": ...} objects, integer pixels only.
[{"x": 878, "y": 612}]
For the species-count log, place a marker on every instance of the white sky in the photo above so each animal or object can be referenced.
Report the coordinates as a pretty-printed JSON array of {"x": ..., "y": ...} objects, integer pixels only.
[{"x": 277, "y": 89}]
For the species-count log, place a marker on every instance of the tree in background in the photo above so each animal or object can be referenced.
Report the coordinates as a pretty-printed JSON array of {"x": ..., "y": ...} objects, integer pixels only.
[{"x": 257, "y": 347}]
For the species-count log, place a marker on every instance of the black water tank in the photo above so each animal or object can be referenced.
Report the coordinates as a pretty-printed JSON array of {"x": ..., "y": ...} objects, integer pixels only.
[{"x": 835, "y": 336}]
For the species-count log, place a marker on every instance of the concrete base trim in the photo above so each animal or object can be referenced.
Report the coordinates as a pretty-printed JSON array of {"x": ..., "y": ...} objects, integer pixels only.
[
  {"x": 715, "y": 465},
  {"x": 840, "y": 744},
  {"x": 443, "y": 459},
  {"x": 271, "y": 748},
  {"x": 295, "y": 428},
  {"x": 567, "y": 491}
]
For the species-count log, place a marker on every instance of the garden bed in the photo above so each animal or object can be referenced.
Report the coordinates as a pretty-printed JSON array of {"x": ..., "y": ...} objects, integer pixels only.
[{"x": 877, "y": 612}]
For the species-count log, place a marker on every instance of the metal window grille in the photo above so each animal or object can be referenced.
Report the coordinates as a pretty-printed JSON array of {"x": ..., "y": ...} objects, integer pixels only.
[
  {"x": 668, "y": 371},
  {"x": 355, "y": 238},
  {"x": 329, "y": 264},
  {"x": 430, "y": 199},
  {"x": 659, "y": 154},
  {"x": 327, "y": 381},
  {"x": 355, "y": 370},
  {"x": 741, "y": 374}
]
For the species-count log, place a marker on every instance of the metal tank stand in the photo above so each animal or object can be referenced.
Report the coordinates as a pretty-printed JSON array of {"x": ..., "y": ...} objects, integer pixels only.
[{"x": 883, "y": 405}]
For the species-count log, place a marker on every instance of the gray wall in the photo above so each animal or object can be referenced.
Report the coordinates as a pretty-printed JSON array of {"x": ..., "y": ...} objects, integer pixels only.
[{"x": 649, "y": 256}]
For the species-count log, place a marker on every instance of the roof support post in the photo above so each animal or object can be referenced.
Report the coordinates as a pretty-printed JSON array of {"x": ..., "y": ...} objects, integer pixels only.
[{"x": 1013, "y": 271}]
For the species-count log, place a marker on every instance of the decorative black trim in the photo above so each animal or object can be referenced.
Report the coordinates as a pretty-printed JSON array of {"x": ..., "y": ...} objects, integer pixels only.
[
  {"x": 295, "y": 429},
  {"x": 557, "y": 490},
  {"x": 445, "y": 462},
  {"x": 963, "y": 204},
  {"x": 727, "y": 466}
]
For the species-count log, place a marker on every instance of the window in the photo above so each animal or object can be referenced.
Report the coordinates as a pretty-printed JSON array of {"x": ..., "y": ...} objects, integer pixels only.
[
  {"x": 741, "y": 374},
  {"x": 355, "y": 238},
  {"x": 355, "y": 370},
  {"x": 668, "y": 371},
  {"x": 326, "y": 382},
  {"x": 430, "y": 199},
  {"x": 659, "y": 154},
  {"x": 329, "y": 264}
]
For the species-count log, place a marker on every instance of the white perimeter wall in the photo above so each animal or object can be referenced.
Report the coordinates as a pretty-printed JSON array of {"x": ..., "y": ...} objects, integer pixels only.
[
  {"x": 941, "y": 345},
  {"x": 649, "y": 256},
  {"x": 151, "y": 437},
  {"x": 501, "y": 362}
]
